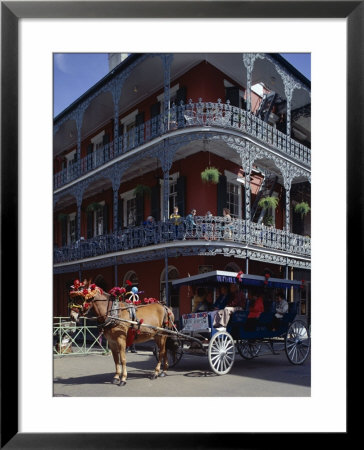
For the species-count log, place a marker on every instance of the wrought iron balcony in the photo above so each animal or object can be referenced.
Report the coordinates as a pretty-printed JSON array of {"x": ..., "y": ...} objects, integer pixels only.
[
  {"x": 211, "y": 230},
  {"x": 201, "y": 114}
]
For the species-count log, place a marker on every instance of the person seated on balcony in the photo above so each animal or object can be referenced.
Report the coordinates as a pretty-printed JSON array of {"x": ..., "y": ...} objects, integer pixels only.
[
  {"x": 236, "y": 302},
  {"x": 198, "y": 298},
  {"x": 190, "y": 222},
  {"x": 149, "y": 226},
  {"x": 256, "y": 307},
  {"x": 208, "y": 226},
  {"x": 281, "y": 309},
  {"x": 226, "y": 224}
]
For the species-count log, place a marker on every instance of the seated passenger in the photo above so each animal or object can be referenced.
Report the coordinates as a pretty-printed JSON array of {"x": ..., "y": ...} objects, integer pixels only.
[
  {"x": 281, "y": 309},
  {"x": 198, "y": 298},
  {"x": 222, "y": 299},
  {"x": 236, "y": 302},
  {"x": 256, "y": 307}
]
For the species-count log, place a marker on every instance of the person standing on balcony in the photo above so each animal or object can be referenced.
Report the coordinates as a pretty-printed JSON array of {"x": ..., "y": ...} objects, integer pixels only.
[
  {"x": 226, "y": 224},
  {"x": 177, "y": 219},
  {"x": 190, "y": 223}
]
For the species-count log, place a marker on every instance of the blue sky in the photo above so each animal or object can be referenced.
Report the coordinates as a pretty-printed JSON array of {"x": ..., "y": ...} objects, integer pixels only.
[{"x": 75, "y": 73}]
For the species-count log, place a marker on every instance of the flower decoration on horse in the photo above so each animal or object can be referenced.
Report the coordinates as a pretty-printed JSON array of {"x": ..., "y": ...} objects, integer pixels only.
[
  {"x": 132, "y": 296},
  {"x": 82, "y": 292}
]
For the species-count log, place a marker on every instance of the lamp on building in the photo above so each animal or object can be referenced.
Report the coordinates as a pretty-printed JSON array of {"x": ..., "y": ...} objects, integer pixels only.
[{"x": 135, "y": 89}]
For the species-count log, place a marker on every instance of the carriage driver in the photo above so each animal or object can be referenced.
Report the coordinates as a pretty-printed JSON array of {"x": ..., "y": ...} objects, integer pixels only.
[{"x": 236, "y": 302}]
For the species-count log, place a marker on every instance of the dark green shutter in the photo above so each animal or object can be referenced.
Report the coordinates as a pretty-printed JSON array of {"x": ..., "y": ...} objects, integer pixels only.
[
  {"x": 89, "y": 160},
  {"x": 181, "y": 195},
  {"x": 139, "y": 120},
  {"x": 221, "y": 194},
  {"x": 232, "y": 94},
  {"x": 139, "y": 209},
  {"x": 120, "y": 213},
  {"x": 105, "y": 219},
  {"x": 105, "y": 143},
  {"x": 181, "y": 95},
  {"x": 64, "y": 230},
  {"x": 155, "y": 111},
  {"x": 155, "y": 202},
  {"x": 90, "y": 224}
]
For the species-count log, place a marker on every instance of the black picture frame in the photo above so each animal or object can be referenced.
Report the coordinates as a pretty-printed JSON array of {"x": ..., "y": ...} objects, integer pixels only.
[{"x": 11, "y": 13}]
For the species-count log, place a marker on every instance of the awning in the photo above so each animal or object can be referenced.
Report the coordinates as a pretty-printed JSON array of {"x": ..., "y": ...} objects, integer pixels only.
[{"x": 217, "y": 277}]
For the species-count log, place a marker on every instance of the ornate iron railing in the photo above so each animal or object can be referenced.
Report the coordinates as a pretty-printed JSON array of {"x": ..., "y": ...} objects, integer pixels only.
[
  {"x": 70, "y": 338},
  {"x": 201, "y": 114},
  {"x": 211, "y": 229}
]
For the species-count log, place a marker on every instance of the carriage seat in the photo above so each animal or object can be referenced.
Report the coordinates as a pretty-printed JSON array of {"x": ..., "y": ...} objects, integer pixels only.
[{"x": 239, "y": 317}]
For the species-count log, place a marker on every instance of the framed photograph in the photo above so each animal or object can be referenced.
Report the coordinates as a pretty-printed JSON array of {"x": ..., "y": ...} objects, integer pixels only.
[{"x": 30, "y": 416}]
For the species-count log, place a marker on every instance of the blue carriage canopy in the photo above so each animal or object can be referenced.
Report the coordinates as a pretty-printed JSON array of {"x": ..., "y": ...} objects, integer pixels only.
[{"x": 216, "y": 277}]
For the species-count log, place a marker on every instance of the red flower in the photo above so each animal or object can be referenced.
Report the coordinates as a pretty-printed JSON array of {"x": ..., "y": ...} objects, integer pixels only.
[
  {"x": 86, "y": 305},
  {"x": 76, "y": 283},
  {"x": 239, "y": 275},
  {"x": 129, "y": 283},
  {"x": 93, "y": 287},
  {"x": 85, "y": 292}
]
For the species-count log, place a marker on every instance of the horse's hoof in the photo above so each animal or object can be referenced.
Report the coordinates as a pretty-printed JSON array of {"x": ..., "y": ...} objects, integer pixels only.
[
  {"x": 116, "y": 381},
  {"x": 122, "y": 383},
  {"x": 162, "y": 374},
  {"x": 153, "y": 377}
]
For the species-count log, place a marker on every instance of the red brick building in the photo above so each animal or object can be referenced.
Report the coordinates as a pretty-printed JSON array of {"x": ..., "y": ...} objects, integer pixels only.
[{"x": 135, "y": 145}]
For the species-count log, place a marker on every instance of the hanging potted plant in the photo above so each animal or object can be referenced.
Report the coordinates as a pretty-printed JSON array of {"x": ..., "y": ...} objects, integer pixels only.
[
  {"x": 61, "y": 216},
  {"x": 210, "y": 175},
  {"x": 142, "y": 189},
  {"x": 302, "y": 208},
  {"x": 268, "y": 203},
  {"x": 94, "y": 206}
]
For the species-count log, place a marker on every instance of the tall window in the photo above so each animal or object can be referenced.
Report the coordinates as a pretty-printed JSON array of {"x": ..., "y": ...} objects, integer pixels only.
[
  {"x": 172, "y": 199},
  {"x": 132, "y": 277},
  {"x": 72, "y": 228},
  {"x": 172, "y": 194},
  {"x": 233, "y": 199},
  {"x": 131, "y": 212}
]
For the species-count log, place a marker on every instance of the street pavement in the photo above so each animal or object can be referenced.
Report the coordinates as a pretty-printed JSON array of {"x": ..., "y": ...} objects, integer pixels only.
[{"x": 267, "y": 375}]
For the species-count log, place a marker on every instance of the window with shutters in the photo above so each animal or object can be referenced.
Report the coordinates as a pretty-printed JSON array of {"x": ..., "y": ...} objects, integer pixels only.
[
  {"x": 173, "y": 193},
  {"x": 234, "y": 195},
  {"x": 99, "y": 219},
  {"x": 97, "y": 149},
  {"x": 71, "y": 228},
  {"x": 69, "y": 163},
  {"x": 129, "y": 203},
  {"x": 235, "y": 95},
  {"x": 128, "y": 128}
]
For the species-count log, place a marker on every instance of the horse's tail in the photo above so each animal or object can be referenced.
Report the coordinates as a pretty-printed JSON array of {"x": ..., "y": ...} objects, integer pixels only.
[{"x": 168, "y": 320}]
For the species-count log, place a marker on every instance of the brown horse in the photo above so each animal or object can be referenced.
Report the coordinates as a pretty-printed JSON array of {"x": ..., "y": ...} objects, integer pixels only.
[{"x": 109, "y": 313}]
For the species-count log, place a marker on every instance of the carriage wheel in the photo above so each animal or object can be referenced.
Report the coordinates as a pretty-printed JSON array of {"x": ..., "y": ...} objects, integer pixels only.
[
  {"x": 173, "y": 356},
  {"x": 298, "y": 342},
  {"x": 248, "y": 350},
  {"x": 221, "y": 353}
]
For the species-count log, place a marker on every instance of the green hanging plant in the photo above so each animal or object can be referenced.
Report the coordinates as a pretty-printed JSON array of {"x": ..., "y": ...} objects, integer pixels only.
[
  {"x": 142, "y": 189},
  {"x": 210, "y": 175},
  {"x": 61, "y": 216},
  {"x": 268, "y": 202},
  {"x": 268, "y": 220},
  {"x": 302, "y": 208},
  {"x": 94, "y": 206}
]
